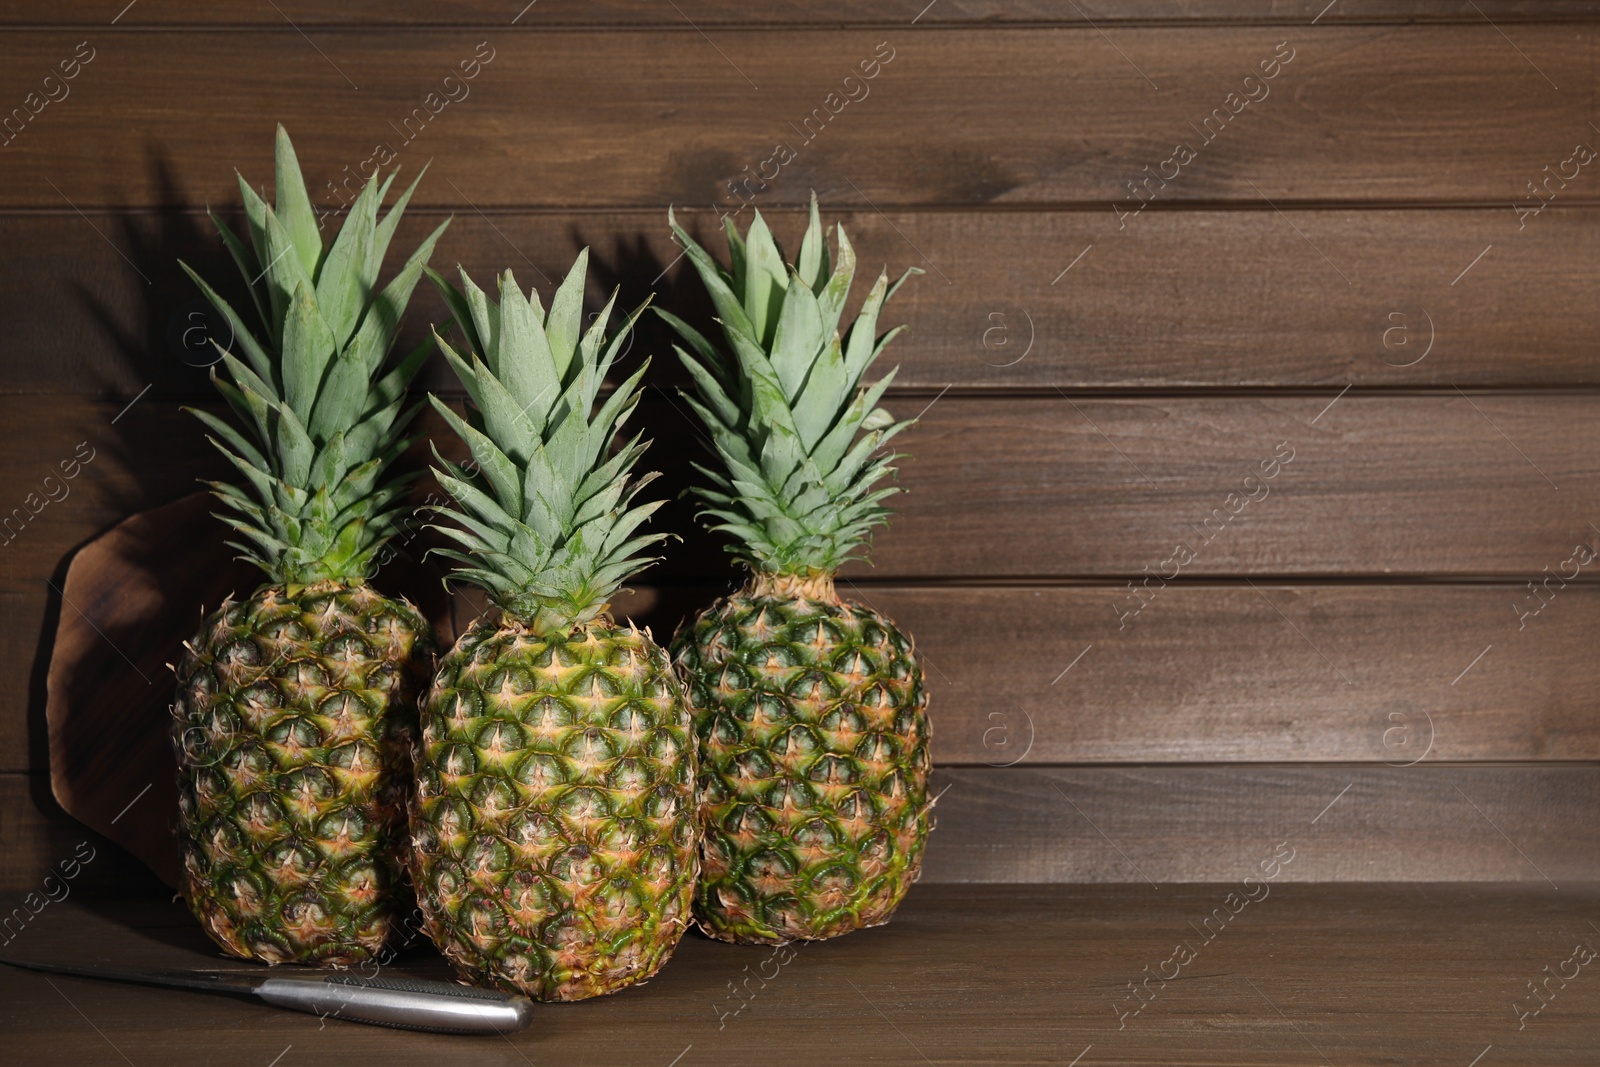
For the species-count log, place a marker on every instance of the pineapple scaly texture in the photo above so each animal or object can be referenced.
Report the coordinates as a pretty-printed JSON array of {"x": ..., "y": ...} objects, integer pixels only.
[
  {"x": 810, "y": 709},
  {"x": 554, "y": 822},
  {"x": 296, "y": 705}
]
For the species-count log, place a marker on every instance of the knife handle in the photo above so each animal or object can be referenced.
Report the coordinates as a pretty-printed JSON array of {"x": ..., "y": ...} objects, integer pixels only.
[{"x": 406, "y": 1003}]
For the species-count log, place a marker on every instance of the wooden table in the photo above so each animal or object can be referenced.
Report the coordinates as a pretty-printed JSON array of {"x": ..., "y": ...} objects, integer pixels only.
[{"x": 1309, "y": 974}]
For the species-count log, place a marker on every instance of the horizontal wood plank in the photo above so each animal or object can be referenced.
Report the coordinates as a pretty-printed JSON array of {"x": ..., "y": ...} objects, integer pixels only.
[
  {"x": 1163, "y": 824},
  {"x": 1349, "y": 823},
  {"x": 1377, "y": 486},
  {"x": 951, "y": 118},
  {"x": 1369, "y": 976},
  {"x": 1272, "y": 673},
  {"x": 1201, "y": 299},
  {"x": 1208, "y": 674},
  {"x": 1372, "y": 486},
  {"x": 373, "y": 14},
  {"x": 1303, "y": 486},
  {"x": 1017, "y": 675}
]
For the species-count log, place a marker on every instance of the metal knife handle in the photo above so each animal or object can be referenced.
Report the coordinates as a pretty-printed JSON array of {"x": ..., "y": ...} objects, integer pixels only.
[{"x": 406, "y": 1003}]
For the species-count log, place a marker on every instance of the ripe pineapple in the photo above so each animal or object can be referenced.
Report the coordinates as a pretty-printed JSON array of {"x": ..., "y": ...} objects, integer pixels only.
[
  {"x": 553, "y": 828},
  {"x": 295, "y": 706},
  {"x": 810, "y": 709}
]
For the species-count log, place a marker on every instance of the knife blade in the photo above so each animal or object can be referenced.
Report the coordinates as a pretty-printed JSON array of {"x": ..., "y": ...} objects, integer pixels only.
[{"x": 394, "y": 1001}]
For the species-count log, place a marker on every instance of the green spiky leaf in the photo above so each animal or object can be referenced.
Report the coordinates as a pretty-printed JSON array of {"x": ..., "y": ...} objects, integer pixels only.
[
  {"x": 314, "y": 388},
  {"x": 797, "y": 429},
  {"x": 547, "y": 529}
]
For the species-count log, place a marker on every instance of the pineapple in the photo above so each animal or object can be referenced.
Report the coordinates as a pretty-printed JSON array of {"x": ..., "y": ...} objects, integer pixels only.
[
  {"x": 810, "y": 709},
  {"x": 295, "y": 706},
  {"x": 553, "y": 827}
]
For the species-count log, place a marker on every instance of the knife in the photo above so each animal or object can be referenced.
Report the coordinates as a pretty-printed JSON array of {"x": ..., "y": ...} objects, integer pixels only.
[{"x": 404, "y": 1003}]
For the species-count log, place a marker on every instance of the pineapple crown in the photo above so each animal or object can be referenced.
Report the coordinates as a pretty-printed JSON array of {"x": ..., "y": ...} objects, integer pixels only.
[
  {"x": 784, "y": 410},
  {"x": 546, "y": 524},
  {"x": 323, "y": 413}
]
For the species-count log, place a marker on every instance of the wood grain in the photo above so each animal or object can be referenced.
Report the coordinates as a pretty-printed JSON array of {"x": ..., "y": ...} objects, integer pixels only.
[
  {"x": 1191, "y": 299},
  {"x": 677, "y": 119},
  {"x": 1378, "y": 486},
  {"x": 1342, "y": 673},
  {"x": 1345, "y": 673},
  {"x": 964, "y": 975},
  {"x": 1206, "y": 676},
  {"x": 1031, "y": 488},
  {"x": 1349, "y": 823},
  {"x": 1200, "y": 673},
  {"x": 497, "y": 14},
  {"x": 1173, "y": 823}
]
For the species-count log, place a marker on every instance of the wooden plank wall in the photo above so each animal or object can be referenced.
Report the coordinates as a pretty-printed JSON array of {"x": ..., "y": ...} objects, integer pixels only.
[{"x": 1259, "y": 417}]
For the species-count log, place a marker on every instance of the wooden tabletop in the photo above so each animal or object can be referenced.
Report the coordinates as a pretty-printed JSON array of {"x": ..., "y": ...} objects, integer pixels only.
[{"x": 1307, "y": 974}]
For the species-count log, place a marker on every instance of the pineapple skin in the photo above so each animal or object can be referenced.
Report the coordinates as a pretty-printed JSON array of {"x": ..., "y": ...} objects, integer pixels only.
[
  {"x": 294, "y": 719},
  {"x": 554, "y": 843},
  {"x": 812, "y": 719}
]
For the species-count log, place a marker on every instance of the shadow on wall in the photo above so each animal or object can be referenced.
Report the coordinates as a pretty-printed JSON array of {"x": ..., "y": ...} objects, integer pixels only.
[
  {"x": 133, "y": 461},
  {"x": 678, "y": 439}
]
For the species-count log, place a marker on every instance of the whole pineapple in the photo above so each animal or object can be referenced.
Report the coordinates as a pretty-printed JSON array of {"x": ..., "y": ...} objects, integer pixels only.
[
  {"x": 295, "y": 706},
  {"x": 810, "y": 709},
  {"x": 553, "y": 829}
]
